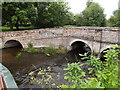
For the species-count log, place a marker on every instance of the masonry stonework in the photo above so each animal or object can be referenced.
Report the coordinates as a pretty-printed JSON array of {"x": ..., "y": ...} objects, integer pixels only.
[{"x": 98, "y": 39}]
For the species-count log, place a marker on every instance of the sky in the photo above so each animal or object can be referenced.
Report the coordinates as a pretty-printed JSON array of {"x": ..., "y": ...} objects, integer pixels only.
[{"x": 78, "y": 6}]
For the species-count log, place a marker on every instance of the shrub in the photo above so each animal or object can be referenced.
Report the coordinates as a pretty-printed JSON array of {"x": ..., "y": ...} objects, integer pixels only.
[
  {"x": 109, "y": 74},
  {"x": 74, "y": 73},
  {"x": 30, "y": 48},
  {"x": 50, "y": 50},
  {"x": 106, "y": 74}
]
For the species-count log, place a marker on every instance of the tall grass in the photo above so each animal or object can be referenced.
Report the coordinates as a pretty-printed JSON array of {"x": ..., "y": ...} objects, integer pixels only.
[{"x": 51, "y": 50}]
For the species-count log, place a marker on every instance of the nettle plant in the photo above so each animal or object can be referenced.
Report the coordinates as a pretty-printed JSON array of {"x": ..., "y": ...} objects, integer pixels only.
[
  {"x": 96, "y": 63},
  {"x": 109, "y": 73},
  {"x": 74, "y": 74},
  {"x": 105, "y": 75},
  {"x": 77, "y": 76}
]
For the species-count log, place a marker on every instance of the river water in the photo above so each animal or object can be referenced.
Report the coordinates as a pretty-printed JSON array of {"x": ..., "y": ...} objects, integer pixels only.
[{"x": 20, "y": 68}]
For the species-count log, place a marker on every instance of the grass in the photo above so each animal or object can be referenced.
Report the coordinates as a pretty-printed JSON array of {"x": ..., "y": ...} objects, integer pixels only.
[
  {"x": 51, "y": 50},
  {"x": 5, "y": 28},
  {"x": 31, "y": 49},
  {"x": 66, "y": 26}
]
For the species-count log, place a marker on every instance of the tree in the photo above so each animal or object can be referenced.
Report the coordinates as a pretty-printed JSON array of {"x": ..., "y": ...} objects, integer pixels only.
[
  {"x": 16, "y": 13},
  {"x": 78, "y": 20},
  {"x": 51, "y": 14},
  {"x": 114, "y": 21},
  {"x": 89, "y": 2},
  {"x": 39, "y": 14},
  {"x": 70, "y": 18},
  {"x": 93, "y": 15}
]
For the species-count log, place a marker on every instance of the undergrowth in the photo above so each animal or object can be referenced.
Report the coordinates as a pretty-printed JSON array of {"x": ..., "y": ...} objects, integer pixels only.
[{"x": 105, "y": 75}]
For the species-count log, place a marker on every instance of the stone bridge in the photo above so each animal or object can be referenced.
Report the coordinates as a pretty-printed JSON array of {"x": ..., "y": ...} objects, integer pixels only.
[{"x": 97, "y": 39}]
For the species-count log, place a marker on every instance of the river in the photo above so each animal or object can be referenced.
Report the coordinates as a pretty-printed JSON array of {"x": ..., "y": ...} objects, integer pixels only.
[{"x": 20, "y": 68}]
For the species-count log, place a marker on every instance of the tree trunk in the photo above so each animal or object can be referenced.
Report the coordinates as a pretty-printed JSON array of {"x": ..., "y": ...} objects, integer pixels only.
[
  {"x": 17, "y": 27},
  {"x": 11, "y": 25},
  {"x": 17, "y": 24}
]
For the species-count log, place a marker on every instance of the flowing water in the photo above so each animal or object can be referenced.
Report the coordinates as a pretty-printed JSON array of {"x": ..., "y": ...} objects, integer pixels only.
[{"x": 31, "y": 62}]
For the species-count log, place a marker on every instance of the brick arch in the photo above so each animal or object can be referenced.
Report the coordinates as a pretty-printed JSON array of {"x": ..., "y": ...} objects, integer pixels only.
[
  {"x": 84, "y": 41},
  {"x": 18, "y": 41}
]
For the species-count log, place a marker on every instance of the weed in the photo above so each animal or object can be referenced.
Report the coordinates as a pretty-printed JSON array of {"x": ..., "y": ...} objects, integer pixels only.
[
  {"x": 30, "y": 49},
  {"x": 19, "y": 55},
  {"x": 45, "y": 78},
  {"x": 105, "y": 74},
  {"x": 51, "y": 50}
]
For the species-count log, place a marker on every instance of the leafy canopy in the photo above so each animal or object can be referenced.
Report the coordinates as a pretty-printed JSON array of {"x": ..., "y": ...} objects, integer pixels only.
[
  {"x": 93, "y": 15},
  {"x": 51, "y": 14},
  {"x": 114, "y": 21}
]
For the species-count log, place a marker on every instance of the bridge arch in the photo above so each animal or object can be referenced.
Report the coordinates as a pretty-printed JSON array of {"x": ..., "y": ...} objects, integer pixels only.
[
  {"x": 81, "y": 44},
  {"x": 105, "y": 48},
  {"x": 13, "y": 43},
  {"x": 102, "y": 53}
]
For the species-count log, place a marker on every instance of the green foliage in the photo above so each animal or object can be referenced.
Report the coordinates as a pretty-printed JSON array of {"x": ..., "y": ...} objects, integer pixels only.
[
  {"x": 71, "y": 18},
  {"x": 109, "y": 74},
  {"x": 89, "y": 2},
  {"x": 39, "y": 14},
  {"x": 61, "y": 49},
  {"x": 66, "y": 26},
  {"x": 79, "y": 20},
  {"x": 93, "y": 15},
  {"x": 96, "y": 63},
  {"x": 45, "y": 78},
  {"x": 6, "y": 28},
  {"x": 111, "y": 22},
  {"x": 91, "y": 83},
  {"x": 64, "y": 86},
  {"x": 51, "y": 50},
  {"x": 105, "y": 74},
  {"x": 31, "y": 49},
  {"x": 51, "y": 14},
  {"x": 17, "y": 13},
  {"x": 30, "y": 45},
  {"x": 74, "y": 73},
  {"x": 114, "y": 21},
  {"x": 19, "y": 55}
]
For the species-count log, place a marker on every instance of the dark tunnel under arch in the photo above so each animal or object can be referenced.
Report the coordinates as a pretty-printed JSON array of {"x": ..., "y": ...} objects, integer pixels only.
[
  {"x": 102, "y": 58},
  {"x": 12, "y": 43},
  {"x": 80, "y": 47}
]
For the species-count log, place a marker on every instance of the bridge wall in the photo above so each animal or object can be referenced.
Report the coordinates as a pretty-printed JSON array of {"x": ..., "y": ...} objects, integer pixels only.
[{"x": 97, "y": 39}]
